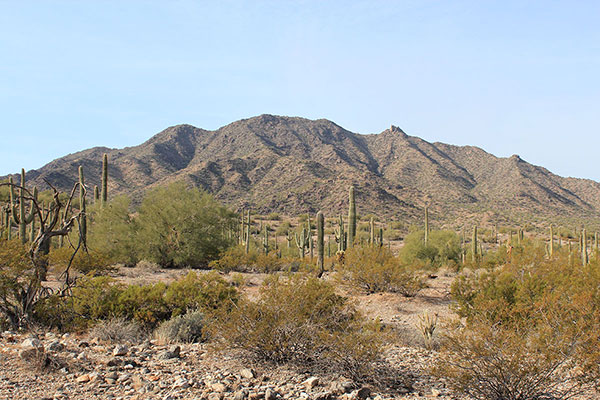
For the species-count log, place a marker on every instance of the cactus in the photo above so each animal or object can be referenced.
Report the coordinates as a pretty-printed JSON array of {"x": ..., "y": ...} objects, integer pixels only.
[
  {"x": 584, "y": 255},
  {"x": 351, "y": 218},
  {"x": 426, "y": 225},
  {"x": 266, "y": 239},
  {"x": 340, "y": 235},
  {"x": 320, "y": 244},
  {"x": 289, "y": 239},
  {"x": 96, "y": 194},
  {"x": 247, "y": 244},
  {"x": 104, "y": 180},
  {"x": 474, "y": 245},
  {"x": 380, "y": 236},
  {"x": 20, "y": 217},
  {"x": 372, "y": 232},
  {"x": 310, "y": 238},
  {"x": 551, "y": 248},
  {"x": 302, "y": 242},
  {"x": 82, "y": 207}
]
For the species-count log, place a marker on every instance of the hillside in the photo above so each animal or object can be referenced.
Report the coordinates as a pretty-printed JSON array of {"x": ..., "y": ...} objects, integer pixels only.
[{"x": 295, "y": 165}]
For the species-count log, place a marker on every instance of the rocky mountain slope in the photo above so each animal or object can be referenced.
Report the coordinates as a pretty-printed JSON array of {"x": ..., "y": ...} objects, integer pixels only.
[{"x": 295, "y": 165}]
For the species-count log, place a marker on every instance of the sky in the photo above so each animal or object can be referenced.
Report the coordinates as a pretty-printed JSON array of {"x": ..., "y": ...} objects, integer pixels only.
[{"x": 511, "y": 77}]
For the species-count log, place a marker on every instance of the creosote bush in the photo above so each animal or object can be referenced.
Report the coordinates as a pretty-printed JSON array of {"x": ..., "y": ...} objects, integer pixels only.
[
  {"x": 83, "y": 262},
  {"x": 101, "y": 298},
  {"x": 302, "y": 321},
  {"x": 530, "y": 331},
  {"x": 442, "y": 249},
  {"x": 375, "y": 269}
]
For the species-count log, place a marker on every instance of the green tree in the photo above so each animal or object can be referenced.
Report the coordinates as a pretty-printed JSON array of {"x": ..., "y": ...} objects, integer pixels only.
[
  {"x": 179, "y": 226},
  {"x": 113, "y": 232},
  {"x": 443, "y": 247}
]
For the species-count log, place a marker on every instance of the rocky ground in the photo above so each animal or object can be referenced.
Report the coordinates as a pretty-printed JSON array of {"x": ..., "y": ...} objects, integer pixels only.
[{"x": 78, "y": 367}]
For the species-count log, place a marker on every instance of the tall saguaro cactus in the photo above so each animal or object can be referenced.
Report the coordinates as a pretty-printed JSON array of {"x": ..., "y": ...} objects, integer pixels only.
[
  {"x": 584, "y": 254},
  {"x": 104, "y": 180},
  {"x": 82, "y": 206},
  {"x": 351, "y": 218},
  {"x": 474, "y": 247},
  {"x": 551, "y": 251},
  {"x": 320, "y": 244},
  {"x": 340, "y": 236},
  {"x": 426, "y": 225},
  {"x": 21, "y": 217},
  {"x": 247, "y": 244},
  {"x": 372, "y": 232}
]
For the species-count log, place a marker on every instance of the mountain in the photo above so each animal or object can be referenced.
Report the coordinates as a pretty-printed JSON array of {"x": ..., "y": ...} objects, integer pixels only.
[{"x": 295, "y": 165}]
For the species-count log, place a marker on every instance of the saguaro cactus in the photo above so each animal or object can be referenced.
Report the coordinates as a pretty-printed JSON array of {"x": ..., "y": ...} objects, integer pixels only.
[
  {"x": 104, "y": 180},
  {"x": 551, "y": 249},
  {"x": 351, "y": 218},
  {"x": 21, "y": 217},
  {"x": 426, "y": 225},
  {"x": 340, "y": 235},
  {"x": 372, "y": 232},
  {"x": 474, "y": 245},
  {"x": 584, "y": 254},
  {"x": 247, "y": 244},
  {"x": 82, "y": 207},
  {"x": 302, "y": 242},
  {"x": 266, "y": 239},
  {"x": 320, "y": 244},
  {"x": 380, "y": 237}
]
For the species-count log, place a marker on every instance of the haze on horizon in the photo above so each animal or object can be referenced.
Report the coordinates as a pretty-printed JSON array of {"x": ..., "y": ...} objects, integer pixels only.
[{"x": 509, "y": 77}]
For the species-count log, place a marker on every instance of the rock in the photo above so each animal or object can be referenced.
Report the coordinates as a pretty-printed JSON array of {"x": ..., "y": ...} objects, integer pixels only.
[
  {"x": 31, "y": 343},
  {"x": 173, "y": 352},
  {"x": 362, "y": 393},
  {"x": 215, "y": 396},
  {"x": 120, "y": 350},
  {"x": 435, "y": 393},
  {"x": 311, "y": 382},
  {"x": 113, "y": 362},
  {"x": 81, "y": 356},
  {"x": 181, "y": 383},
  {"x": 241, "y": 394},
  {"x": 270, "y": 394},
  {"x": 247, "y": 373},
  {"x": 84, "y": 344},
  {"x": 83, "y": 378},
  {"x": 56, "y": 346},
  {"x": 324, "y": 396},
  {"x": 137, "y": 382},
  {"x": 218, "y": 387}
]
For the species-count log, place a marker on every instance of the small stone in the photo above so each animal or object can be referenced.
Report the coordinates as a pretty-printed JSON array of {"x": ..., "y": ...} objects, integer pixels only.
[
  {"x": 311, "y": 382},
  {"x": 362, "y": 393},
  {"x": 120, "y": 350},
  {"x": 241, "y": 395},
  {"x": 218, "y": 387},
  {"x": 56, "y": 346},
  {"x": 83, "y": 378},
  {"x": 247, "y": 373},
  {"x": 173, "y": 352},
  {"x": 435, "y": 393},
  {"x": 31, "y": 342},
  {"x": 181, "y": 383},
  {"x": 215, "y": 396},
  {"x": 270, "y": 394}
]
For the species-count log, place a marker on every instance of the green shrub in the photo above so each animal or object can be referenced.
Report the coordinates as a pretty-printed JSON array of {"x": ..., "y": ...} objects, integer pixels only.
[
  {"x": 443, "y": 248},
  {"x": 375, "y": 269},
  {"x": 236, "y": 259},
  {"x": 84, "y": 262},
  {"x": 302, "y": 321},
  {"x": 187, "y": 328},
  {"x": 100, "y": 298}
]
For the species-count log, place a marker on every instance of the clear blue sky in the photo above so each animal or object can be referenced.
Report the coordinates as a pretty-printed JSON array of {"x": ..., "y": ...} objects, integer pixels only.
[{"x": 509, "y": 76}]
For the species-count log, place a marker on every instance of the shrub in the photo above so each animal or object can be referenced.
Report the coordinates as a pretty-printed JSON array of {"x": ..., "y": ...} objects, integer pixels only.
[
  {"x": 95, "y": 299},
  {"x": 84, "y": 262},
  {"x": 531, "y": 329},
  {"x": 118, "y": 330},
  {"x": 375, "y": 269},
  {"x": 443, "y": 248},
  {"x": 303, "y": 322},
  {"x": 236, "y": 259},
  {"x": 187, "y": 328}
]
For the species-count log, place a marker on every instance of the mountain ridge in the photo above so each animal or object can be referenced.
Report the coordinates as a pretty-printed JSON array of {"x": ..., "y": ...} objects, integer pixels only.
[{"x": 295, "y": 165}]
